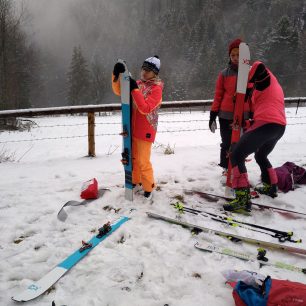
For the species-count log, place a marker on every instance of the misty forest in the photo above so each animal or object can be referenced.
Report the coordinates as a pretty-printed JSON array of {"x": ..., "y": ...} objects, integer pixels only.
[{"x": 62, "y": 52}]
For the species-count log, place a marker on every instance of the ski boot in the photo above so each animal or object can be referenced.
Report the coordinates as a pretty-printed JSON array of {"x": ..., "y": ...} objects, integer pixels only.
[
  {"x": 267, "y": 189},
  {"x": 147, "y": 195},
  {"x": 137, "y": 188},
  {"x": 242, "y": 203}
]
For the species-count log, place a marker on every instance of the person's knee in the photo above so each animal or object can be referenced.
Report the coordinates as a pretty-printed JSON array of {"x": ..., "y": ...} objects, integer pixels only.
[
  {"x": 224, "y": 146},
  {"x": 238, "y": 158},
  {"x": 144, "y": 164},
  {"x": 226, "y": 139},
  {"x": 260, "y": 158}
]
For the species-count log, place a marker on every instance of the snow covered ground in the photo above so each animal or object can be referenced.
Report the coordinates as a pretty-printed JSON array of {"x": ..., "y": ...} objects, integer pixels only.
[{"x": 145, "y": 262}]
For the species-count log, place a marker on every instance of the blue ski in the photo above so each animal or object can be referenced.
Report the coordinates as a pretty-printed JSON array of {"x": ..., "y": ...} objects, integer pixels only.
[
  {"x": 39, "y": 287},
  {"x": 126, "y": 131}
]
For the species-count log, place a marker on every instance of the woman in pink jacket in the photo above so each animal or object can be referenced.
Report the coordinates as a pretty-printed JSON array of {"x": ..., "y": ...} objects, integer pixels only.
[{"x": 266, "y": 99}]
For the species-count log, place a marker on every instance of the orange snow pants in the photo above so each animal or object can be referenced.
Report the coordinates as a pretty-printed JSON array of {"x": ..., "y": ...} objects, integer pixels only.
[{"x": 142, "y": 167}]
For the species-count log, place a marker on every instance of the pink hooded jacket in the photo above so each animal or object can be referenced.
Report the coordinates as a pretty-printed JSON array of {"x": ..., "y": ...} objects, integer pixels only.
[{"x": 267, "y": 105}]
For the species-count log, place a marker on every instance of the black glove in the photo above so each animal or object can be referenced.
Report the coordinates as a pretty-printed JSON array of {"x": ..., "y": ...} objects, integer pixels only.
[
  {"x": 118, "y": 68},
  {"x": 133, "y": 84},
  {"x": 212, "y": 121}
]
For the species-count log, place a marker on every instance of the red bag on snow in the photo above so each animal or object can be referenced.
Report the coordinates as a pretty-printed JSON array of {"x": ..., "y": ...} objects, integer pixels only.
[
  {"x": 274, "y": 293},
  {"x": 90, "y": 190}
]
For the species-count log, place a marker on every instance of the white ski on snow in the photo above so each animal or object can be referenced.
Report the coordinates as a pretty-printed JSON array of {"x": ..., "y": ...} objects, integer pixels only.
[{"x": 210, "y": 247}]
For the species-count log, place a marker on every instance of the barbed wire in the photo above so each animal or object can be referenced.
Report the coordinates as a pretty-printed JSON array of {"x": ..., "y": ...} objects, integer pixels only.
[
  {"x": 115, "y": 134},
  {"x": 77, "y": 124},
  {"x": 56, "y": 138},
  {"x": 118, "y": 123}
]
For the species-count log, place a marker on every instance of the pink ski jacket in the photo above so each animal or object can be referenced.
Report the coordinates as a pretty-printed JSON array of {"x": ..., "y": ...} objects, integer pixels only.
[{"x": 268, "y": 105}]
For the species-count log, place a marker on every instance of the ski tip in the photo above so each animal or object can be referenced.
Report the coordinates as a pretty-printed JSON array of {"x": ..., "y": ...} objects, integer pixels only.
[
  {"x": 15, "y": 300},
  {"x": 151, "y": 214},
  {"x": 18, "y": 299},
  {"x": 121, "y": 219}
]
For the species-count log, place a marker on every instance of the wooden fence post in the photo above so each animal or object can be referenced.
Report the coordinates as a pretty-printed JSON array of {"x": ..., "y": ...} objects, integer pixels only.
[{"x": 91, "y": 135}]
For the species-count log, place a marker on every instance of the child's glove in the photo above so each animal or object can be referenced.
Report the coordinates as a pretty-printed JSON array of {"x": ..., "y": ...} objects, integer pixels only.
[
  {"x": 133, "y": 84},
  {"x": 118, "y": 68}
]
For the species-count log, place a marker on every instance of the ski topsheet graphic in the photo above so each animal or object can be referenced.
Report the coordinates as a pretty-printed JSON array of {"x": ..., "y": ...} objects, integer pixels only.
[
  {"x": 126, "y": 131},
  {"x": 242, "y": 81},
  {"x": 39, "y": 287}
]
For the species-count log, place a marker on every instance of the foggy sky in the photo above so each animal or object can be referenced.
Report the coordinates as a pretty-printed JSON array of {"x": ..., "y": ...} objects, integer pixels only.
[
  {"x": 189, "y": 36},
  {"x": 99, "y": 27},
  {"x": 52, "y": 27}
]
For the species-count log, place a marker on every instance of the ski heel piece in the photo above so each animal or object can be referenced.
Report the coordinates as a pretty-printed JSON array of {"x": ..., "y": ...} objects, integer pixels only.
[
  {"x": 179, "y": 206},
  {"x": 262, "y": 255},
  {"x": 85, "y": 246},
  {"x": 125, "y": 157}
]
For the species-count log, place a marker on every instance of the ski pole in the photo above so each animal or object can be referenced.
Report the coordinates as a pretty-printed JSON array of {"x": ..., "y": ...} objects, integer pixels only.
[{"x": 280, "y": 235}]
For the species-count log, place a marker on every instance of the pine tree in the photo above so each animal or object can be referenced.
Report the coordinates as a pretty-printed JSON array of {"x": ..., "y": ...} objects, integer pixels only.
[
  {"x": 98, "y": 83},
  {"x": 79, "y": 91},
  {"x": 282, "y": 52},
  {"x": 17, "y": 60},
  {"x": 191, "y": 38}
]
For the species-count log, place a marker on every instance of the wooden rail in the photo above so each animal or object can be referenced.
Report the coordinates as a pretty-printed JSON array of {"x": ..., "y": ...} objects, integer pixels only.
[
  {"x": 92, "y": 109},
  {"x": 65, "y": 110}
]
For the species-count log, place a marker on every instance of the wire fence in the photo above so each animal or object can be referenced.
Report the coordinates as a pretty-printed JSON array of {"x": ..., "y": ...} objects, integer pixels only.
[{"x": 118, "y": 123}]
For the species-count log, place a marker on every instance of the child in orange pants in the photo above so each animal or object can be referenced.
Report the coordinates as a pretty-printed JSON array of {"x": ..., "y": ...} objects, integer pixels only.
[{"x": 147, "y": 98}]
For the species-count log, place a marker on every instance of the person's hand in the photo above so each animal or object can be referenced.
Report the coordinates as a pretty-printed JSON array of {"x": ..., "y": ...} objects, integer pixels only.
[
  {"x": 248, "y": 93},
  {"x": 212, "y": 121},
  {"x": 118, "y": 68},
  {"x": 247, "y": 124},
  {"x": 133, "y": 84}
]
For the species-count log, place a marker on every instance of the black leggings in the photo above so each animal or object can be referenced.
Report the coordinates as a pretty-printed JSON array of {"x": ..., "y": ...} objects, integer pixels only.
[
  {"x": 226, "y": 136},
  {"x": 260, "y": 141}
]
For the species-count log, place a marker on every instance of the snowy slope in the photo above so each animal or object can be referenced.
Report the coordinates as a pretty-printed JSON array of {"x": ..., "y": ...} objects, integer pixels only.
[{"x": 146, "y": 262}]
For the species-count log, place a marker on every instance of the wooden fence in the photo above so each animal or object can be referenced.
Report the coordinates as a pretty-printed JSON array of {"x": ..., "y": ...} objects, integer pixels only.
[{"x": 90, "y": 110}]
